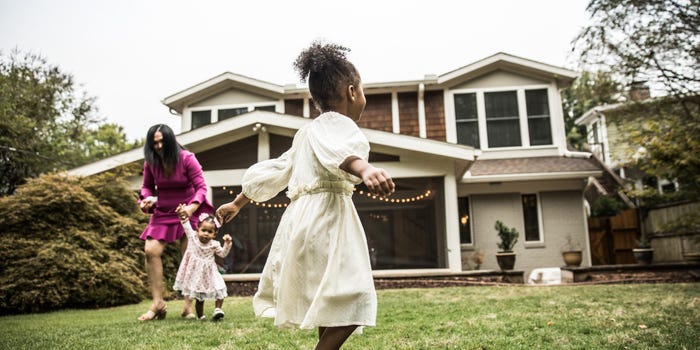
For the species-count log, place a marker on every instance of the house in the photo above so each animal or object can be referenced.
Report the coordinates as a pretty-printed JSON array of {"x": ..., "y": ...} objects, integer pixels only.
[
  {"x": 605, "y": 141},
  {"x": 481, "y": 143}
]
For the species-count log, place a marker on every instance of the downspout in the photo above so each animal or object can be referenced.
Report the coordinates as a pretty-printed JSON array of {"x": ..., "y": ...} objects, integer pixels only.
[{"x": 421, "y": 111}]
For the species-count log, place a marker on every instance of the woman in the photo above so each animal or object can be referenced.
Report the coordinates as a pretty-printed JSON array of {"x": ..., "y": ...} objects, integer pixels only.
[{"x": 171, "y": 176}]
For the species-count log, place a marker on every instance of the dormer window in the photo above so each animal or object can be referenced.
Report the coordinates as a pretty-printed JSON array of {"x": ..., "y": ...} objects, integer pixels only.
[{"x": 201, "y": 118}]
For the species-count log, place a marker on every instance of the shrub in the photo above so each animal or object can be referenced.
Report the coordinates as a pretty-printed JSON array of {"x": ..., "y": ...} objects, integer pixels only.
[
  {"x": 508, "y": 236},
  {"x": 72, "y": 242}
]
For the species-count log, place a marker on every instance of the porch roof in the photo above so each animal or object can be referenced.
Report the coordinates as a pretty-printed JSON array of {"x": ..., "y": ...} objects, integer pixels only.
[
  {"x": 534, "y": 168},
  {"x": 248, "y": 124}
]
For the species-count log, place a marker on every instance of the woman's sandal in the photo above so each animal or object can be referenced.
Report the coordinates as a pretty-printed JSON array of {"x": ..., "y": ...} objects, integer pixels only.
[{"x": 154, "y": 315}]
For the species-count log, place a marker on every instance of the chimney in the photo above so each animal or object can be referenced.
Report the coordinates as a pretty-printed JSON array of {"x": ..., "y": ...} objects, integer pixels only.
[{"x": 639, "y": 91}]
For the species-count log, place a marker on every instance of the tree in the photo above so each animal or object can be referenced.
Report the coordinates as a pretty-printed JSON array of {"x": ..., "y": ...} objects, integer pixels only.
[
  {"x": 45, "y": 123},
  {"x": 645, "y": 40},
  {"x": 658, "y": 42},
  {"x": 591, "y": 89},
  {"x": 73, "y": 242}
]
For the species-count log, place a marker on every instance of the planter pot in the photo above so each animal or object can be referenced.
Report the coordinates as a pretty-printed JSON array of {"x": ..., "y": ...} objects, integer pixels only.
[
  {"x": 506, "y": 261},
  {"x": 572, "y": 258},
  {"x": 644, "y": 256}
]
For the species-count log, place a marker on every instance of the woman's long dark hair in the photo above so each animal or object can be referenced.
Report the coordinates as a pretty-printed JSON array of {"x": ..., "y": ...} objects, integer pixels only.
[
  {"x": 328, "y": 73},
  {"x": 170, "y": 155}
]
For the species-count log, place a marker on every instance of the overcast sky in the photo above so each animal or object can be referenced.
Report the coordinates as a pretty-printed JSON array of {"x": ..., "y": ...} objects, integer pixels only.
[{"x": 132, "y": 54}]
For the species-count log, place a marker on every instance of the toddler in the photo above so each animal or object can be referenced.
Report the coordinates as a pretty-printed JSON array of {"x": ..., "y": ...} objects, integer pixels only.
[{"x": 198, "y": 276}]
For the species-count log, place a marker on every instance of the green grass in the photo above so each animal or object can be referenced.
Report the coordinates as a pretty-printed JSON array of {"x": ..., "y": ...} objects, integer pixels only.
[{"x": 647, "y": 316}]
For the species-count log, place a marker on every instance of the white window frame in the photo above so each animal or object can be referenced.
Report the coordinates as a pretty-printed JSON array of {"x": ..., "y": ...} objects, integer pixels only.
[
  {"x": 451, "y": 119},
  {"x": 470, "y": 222},
  {"x": 540, "y": 223}
]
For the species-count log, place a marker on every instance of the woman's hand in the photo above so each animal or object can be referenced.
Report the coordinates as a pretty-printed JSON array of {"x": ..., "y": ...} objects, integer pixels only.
[
  {"x": 182, "y": 213},
  {"x": 147, "y": 203}
]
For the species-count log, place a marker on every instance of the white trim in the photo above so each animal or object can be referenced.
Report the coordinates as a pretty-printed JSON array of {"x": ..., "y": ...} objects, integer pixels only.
[
  {"x": 421, "y": 111},
  {"x": 454, "y": 250},
  {"x": 306, "y": 111},
  {"x": 529, "y": 176},
  {"x": 263, "y": 145},
  {"x": 395, "y": 121},
  {"x": 522, "y": 118},
  {"x": 450, "y": 119}
]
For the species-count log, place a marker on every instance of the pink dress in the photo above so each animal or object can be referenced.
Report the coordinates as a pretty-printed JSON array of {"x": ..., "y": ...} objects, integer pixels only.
[
  {"x": 198, "y": 277},
  {"x": 185, "y": 185}
]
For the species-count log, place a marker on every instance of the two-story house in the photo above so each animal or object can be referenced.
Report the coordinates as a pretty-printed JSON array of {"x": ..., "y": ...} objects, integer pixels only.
[{"x": 481, "y": 143}]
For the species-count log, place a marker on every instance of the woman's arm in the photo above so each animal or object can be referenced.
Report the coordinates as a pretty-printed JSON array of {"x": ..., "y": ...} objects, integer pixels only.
[
  {"x": 196, "y": 179},
  {"x": 229, "y": 210},
  {"x": 148, "y": 190}
]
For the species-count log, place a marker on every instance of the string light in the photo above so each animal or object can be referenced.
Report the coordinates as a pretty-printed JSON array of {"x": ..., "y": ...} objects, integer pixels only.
[{"x": 369, "y": 195}]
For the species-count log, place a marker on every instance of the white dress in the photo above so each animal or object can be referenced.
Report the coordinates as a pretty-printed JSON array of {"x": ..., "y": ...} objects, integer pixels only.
[
  {"x": 318, "y": 271},
  {"x": 198, "y": 276}
]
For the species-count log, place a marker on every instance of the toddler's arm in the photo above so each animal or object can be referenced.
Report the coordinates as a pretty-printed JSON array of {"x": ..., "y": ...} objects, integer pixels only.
[
  {"x": 223, "y": 252},
  {"x": 377, "y": 180}
]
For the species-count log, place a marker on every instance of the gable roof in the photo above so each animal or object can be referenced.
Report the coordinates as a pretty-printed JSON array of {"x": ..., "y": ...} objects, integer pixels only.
[
  {"x": 244, "y": 125},
  {"x": 500, "y": 61},
  {"x": 503, "y": 61}
]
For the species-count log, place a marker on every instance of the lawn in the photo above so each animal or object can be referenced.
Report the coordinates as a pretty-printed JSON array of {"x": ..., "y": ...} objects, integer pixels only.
[{"x": 645, "y": 316}]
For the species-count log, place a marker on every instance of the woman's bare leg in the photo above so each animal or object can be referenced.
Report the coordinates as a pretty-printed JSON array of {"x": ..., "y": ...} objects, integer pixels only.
[
  {"x": 154, "y": 268},
  {"x": 332, "y": 338}
]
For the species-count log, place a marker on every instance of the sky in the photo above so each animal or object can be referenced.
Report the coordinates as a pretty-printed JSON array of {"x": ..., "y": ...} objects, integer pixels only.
[{"x": 131, "y": 55}]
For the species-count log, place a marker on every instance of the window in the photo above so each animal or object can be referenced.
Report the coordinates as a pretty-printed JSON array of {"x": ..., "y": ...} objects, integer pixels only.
[
  {"x": 510, "y": 118},
  {"x": 265, "y": 108},
  {"x": 531, "y": 218},
  {"x": 467, "y": 122},
  {"x": 538, "y": 121},
  {"x": 465, "y": 231},
  {"x": 231, "y": 112},
  {"x": 502, "y": 120},
  {"x": 201, "y": 118}
]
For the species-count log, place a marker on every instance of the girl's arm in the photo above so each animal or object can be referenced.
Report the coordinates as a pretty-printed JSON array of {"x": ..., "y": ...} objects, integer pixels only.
[
  {"x": 229, "y": 210},
  {"x": 222, "y": 252},
  {"x": 377, "y": 180}
]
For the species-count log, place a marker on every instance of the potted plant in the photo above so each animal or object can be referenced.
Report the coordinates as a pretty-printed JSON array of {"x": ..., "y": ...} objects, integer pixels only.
[
  {"x": 508, "y": 236},
  {"x": 571, "y": 252},
  {"x": 644, "y": 253}
]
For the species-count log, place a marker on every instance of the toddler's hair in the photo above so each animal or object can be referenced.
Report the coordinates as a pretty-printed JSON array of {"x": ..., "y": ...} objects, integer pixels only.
[
  {"x": 209, "y": 218},
  {"x": 327, "y": 71}
]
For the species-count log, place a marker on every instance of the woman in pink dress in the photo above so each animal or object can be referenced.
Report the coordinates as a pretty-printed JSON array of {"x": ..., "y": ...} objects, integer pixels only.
[{"x": 171, "y": 175}]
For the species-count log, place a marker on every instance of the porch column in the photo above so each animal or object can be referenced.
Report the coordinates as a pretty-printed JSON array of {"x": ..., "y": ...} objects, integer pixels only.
[{"x": 454, "y": 250}]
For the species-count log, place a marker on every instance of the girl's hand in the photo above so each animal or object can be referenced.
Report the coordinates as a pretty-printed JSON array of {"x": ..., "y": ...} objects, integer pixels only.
[
  {"x": 378, "y": 181},
  {"x": 227, "y": 238}
]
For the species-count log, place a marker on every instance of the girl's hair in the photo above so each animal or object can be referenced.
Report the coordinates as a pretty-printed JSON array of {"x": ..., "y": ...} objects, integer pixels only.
[
  {"x": 170, "y": 155},
  {"x": 328, "y": 73}
]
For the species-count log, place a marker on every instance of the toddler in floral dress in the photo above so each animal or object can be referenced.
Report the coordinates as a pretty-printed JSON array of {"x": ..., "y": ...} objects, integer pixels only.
[{"x": 198, "y": 276}]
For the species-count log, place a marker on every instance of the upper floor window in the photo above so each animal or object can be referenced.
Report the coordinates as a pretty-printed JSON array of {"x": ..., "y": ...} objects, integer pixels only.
[
  {"x": 201, "y": 118},
  {"x": 467, "y": 121},
  {"x": 538, "y": 121},
  {"x": 502, "y": 119},
  {"x": 509, "y": 118},
  {"x": 231, "y": 112}
]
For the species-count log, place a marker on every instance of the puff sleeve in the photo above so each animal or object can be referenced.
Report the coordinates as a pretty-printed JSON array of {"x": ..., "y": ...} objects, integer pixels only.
[
  {"x": 334, "y": 139},
  {"x": 266, "y": 179}
]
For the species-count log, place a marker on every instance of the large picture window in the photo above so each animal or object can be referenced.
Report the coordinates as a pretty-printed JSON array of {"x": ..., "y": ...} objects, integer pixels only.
[
  {"x": 502, "y": 120},
  {"x": 467, "y": 121},
  {"x": 403, "y": 231},
  {"x": 510, "y": 118}
]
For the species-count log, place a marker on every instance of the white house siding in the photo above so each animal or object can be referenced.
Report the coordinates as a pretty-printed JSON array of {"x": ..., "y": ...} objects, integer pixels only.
[
  {"x": 499, "y": 78},
  {"x": 233, "y": 97},
  {"x": 562, "y": 213}
]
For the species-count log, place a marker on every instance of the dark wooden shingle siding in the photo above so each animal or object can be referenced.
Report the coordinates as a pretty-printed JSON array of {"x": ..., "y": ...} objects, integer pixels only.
[
  {"x": 294, "y": 107},
  {"x": 377, "y": 114},
  {"x": 435, "y": 115},
  {"x": 408, "y": 113}
]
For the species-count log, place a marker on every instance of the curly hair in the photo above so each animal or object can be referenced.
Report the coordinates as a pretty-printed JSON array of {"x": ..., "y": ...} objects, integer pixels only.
[{"x": 328, "y": 72}]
